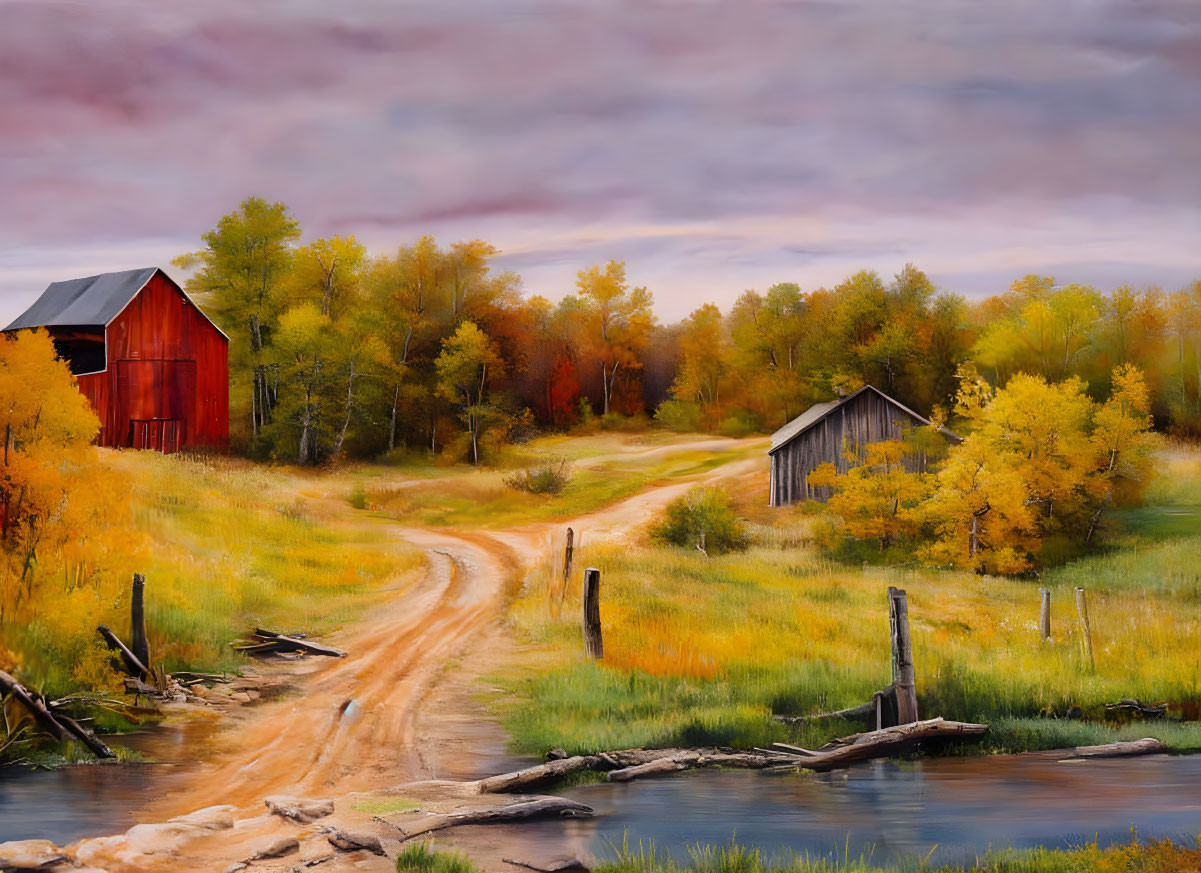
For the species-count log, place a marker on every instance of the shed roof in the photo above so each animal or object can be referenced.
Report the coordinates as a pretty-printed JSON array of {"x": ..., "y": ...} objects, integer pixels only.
[
  {"x": 92, "y": 301},
  {"x": 819, "y": 411}
]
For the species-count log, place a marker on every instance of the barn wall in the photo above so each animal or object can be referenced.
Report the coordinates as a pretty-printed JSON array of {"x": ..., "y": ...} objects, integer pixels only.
[
  {"x": 165, "y": 361},
  {"x": 865, "y": 418}
]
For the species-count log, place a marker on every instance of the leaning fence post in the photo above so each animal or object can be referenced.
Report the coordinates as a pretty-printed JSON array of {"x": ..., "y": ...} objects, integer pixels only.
[
  {"x": 1044, "y": 615},
  {"x": 137, "y": 621},
  {"x": 593, "y": 644},
  {"x": 905, "y": 684},
  {"x": 1085, "y": 630},
  {"x": 567, "y": 555}
]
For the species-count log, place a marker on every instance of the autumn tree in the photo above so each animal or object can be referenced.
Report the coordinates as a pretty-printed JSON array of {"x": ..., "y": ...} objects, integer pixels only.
[
  {"x": 878, "y": 497},
  {"x": 468, "y": 363},
  {"x": 48, "y": 425},
  {"x": 615, "y": 321}
]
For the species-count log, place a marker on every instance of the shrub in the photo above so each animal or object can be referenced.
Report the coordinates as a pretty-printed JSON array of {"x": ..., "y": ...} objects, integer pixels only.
[
  {"x": 679, "y": 416},
  {"x": 740, "y": 424},
  {"x": 550, "y": 477},
  {"x": 702, "y": 515},
  {"x": 358, "y": 496}
]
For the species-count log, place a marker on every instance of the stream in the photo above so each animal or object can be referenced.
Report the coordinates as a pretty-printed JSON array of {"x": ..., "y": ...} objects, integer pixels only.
[{"x": 948, "y": 809}]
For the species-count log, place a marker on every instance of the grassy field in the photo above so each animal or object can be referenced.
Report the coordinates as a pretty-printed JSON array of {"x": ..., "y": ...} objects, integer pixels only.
[
  {"x": 1160, "y": 857},
  {"x": 705, "y": 650},
  {"x": 225, "y": 545},
  {"x": 604, "y": 468}
]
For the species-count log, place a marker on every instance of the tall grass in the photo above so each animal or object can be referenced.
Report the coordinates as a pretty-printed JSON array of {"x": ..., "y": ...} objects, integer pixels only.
[
  {"x": 705, "y": 650},
  {"x": 226, "y": 545}
]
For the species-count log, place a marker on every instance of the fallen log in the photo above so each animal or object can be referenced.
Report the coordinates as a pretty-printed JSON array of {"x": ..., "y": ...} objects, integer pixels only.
[
  {"x": 85, "y": 736},
  {"x": 1134, "y": 707},
  {"x": 1145, "y": 746},
  {"x": 541, "y": 773},
  {"x": 534, "y": 807},
  {"x": 58, "y": 726},
  {"x": 136, "y": 667},
  {"x": 845, "y": 751},
  {"x": 285, "y": 643},
  {"x": 653, "y": 768}
]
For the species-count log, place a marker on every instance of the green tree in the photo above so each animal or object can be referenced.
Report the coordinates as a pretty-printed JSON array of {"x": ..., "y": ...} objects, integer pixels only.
[
  {"x": 239, "y": 277},
  {"x": 468, "y": 362}
]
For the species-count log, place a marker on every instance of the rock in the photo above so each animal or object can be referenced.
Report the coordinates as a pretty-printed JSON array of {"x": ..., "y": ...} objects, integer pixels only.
[
  {"x": 30, "y": 855},
  {"x": 353, "y": 841},
  {"x": 299, "y": 809},
  {"x": 164, "y": 837},
  {"x": 240, "y": 696},
  {"x": 234, "y": 868},
  {"x": 275, "y": 847},
  {"x": 252, "y": 694}
]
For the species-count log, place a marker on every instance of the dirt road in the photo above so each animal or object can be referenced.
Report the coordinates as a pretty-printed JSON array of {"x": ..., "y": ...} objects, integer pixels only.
[{"x": 370, "y": 722}]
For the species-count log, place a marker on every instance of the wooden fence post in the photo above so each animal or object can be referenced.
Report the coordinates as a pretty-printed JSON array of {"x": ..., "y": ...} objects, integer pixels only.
[
  {"x": 593, "y": 643},
  {"x": 568, "y": 554},
  {"x": 1044, "y": 615},
  {"x": 1085, "y": 629},
  {"x": 906, "y": 686},
  {"x": 137, "y": 621}
]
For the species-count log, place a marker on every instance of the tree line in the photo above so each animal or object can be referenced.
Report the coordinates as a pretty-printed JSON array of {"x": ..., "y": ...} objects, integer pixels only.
[{"x": 431, "y": 348}]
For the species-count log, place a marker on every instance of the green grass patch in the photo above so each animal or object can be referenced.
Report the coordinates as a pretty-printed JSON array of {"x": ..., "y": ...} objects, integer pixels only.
[
  {"x": 385, "y": 805},
  {"x": 420, "y": 858}
]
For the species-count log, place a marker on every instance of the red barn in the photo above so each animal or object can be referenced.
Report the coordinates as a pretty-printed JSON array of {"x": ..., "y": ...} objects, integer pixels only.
[{"x": 155, "y": 368}]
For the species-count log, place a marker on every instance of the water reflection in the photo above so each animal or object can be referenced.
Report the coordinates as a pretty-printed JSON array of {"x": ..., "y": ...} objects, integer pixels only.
[{"x": 901, "y": 811}]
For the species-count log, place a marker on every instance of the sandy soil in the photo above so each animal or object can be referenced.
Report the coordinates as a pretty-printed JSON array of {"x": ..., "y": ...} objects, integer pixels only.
[{"x": 403, "y": 706}]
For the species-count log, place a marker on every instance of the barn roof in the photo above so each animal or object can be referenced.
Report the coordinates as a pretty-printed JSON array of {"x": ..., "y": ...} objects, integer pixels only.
[
  {"x": 92, "y": 301},
  {"x": 819, "y": 411}
]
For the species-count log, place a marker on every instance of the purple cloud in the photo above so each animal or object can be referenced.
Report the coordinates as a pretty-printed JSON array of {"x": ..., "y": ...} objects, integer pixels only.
[{"x": 715, "y": 146}]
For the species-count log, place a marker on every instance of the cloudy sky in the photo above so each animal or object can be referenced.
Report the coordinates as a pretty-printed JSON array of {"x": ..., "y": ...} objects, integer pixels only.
[{"x": 713, "y": 146}]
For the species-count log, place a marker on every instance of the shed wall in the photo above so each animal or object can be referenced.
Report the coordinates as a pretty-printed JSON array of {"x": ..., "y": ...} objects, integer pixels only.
[{"x": 865, "y": 418}]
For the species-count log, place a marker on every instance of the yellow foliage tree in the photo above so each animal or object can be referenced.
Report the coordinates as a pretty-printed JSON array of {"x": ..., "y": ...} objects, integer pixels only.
[
  {"x": 876, "y": 499},
  {"x": 64, "y": 539}
]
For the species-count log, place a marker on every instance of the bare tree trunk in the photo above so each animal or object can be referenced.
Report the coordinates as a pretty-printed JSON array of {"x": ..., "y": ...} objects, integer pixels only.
[
  {"x": 349, "y": 407},
  {"x": 306, "y": 426},
  {"x": 392, "y": 425}
]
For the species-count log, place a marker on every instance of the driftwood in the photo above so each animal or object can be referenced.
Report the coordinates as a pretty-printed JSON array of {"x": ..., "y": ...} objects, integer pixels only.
[
  {"x": 540, "y": 774},
  {"x": 854, "y": 713},
  {"x": 533, "y": 807},
  {"x": 132, "y": 662},
  {"x": 654, "y": 768},
  {"x": 265, "y": 642},
  {"x": 58, "y": 726},
  {"x": 1134, "y": 707},
  {"x": 1145, "y": 746},
  {"x": 626, "y": 764},
  {"x": 845, "y": 751}
]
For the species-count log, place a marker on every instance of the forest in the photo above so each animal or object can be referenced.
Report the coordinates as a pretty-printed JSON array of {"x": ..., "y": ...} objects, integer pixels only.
[{"x": 430, "y": 349}]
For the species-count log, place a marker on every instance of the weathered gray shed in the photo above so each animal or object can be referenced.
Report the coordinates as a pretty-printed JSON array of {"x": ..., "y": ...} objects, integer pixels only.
[{"x": 825, "y": 431}]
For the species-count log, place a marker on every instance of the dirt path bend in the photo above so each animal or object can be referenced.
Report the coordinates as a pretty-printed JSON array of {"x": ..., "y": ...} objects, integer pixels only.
[{"x": 361, "y": 724}]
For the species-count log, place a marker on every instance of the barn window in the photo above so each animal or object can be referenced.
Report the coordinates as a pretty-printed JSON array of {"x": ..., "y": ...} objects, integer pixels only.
[{"x": 83, "y": 352}]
